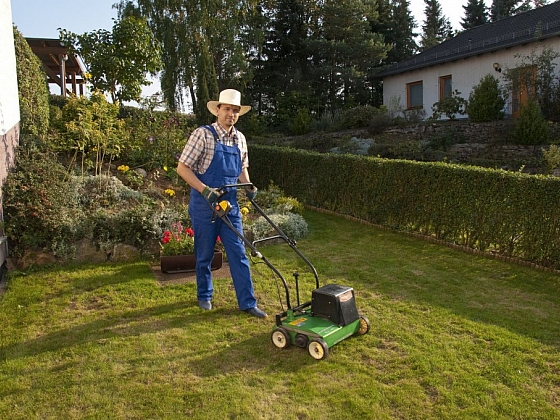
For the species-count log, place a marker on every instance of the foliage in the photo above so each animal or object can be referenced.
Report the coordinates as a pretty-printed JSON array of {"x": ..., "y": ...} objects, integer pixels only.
[
  {"x": 118, "y": 61},
  {"x": 90, "y": 129},
  {"x": 531, "y": 127},
  {"x": 196, "y": 60},
  {"x": 293, "y": 225},
  {"x": 342, "y": 47},
  {"x": 536, "y": 76},
  {"x": 476, "y": 14},
  {"x": 157, "y": 137},
  {"x": 359, "y": 116},
  {"x": 178, "y": 240},
  {"x": 486, "y": 101},
  {"x": 483, "y": 209},
  {"x": 39, "y": 208},
  {"x": 450, "y": 106},
  {"x": 396, "y": 23},
  {"x": 32, "y": 89},
  {"x": 552, "y": 156},
  {"x": 501, "y": 9},
  {"x": 301, "y": 121},
  {"x": 436, "y": 28}
]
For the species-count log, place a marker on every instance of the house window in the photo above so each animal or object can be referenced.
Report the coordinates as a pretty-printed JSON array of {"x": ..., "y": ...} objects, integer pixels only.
[
  {"x": 414, "y": 95},
  {"x": 445, "y": 89}
]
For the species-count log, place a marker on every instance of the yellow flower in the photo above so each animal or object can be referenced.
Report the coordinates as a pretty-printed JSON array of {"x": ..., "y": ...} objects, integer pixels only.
[
  {"x": 123, "y": 168},
  {"x": 244, "y": 211},
  {"x": 165, "y": 168},
  {"x": 169, "y": 192}
]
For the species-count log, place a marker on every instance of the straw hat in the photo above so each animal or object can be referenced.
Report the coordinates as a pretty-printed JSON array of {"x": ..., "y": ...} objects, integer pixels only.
[{"x": 229, "y": 97}]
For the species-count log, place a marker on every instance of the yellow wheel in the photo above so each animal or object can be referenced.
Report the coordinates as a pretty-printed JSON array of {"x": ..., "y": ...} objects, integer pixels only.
[
  {"x": 364, "y": 325},
  {"x": 280, "y": 338},
  {"x": 318, "y": 349}
]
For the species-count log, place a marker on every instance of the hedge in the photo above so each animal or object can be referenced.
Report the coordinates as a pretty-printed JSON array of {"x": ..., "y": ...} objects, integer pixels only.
[{"x": 513, "y": 214}]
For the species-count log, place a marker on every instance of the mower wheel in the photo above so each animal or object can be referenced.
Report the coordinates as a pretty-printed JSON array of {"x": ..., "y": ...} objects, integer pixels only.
[
  {"x": 364, "y": 325},
  {"x": 318, "y": 349},
  {"x": 280, "y": 338}
]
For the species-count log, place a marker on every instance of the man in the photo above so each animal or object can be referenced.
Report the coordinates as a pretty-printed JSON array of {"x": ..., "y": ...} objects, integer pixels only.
[{"x": 216, "y": 155}]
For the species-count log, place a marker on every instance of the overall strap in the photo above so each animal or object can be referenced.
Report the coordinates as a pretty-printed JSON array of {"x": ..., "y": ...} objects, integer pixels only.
[{"x": 213, "y": 131}]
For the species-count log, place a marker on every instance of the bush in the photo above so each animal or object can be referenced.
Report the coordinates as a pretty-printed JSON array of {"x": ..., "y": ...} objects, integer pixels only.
[
  {"x": 157, "y": 138},
  {"x": 359, "y": 117},
  {"x": 531, "y": 128},
  {"x": 89, "y": 129},
  {"x": 552, "y": 157},
  {"x": 486, "y": 101},
  {"x": 450, "y": 106},
  {"x": 32, "y": 88},
  {"x": 293, "y": 225},
  {"x": 40, "y": 208}
]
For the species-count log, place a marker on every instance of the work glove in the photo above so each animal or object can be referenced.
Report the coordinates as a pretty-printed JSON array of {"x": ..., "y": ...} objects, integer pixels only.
[
  {"x": 211, "y": 194},
  {"x": 251, "y": 192}
]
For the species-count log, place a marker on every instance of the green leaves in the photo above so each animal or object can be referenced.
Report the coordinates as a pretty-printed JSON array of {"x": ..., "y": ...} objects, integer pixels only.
[{"x": 118, "y": 61}]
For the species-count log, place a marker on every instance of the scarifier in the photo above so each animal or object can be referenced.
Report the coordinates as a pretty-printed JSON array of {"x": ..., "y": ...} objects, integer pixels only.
[{"x": 328, "y": 318}]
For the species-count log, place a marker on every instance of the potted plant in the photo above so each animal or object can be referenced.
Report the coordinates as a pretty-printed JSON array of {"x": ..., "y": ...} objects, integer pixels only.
[{"x": 177, "y": 250}]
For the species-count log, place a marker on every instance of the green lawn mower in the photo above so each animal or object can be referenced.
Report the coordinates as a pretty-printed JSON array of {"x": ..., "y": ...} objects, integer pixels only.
[{"x": 328, "y": 318}]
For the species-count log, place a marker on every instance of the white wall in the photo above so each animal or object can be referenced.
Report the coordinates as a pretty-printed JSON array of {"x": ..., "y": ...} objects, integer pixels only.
[
  {"x": 9, "y": 108},
  {"x": 465, "y": 73},
  {"x": 9, "y": 103}
]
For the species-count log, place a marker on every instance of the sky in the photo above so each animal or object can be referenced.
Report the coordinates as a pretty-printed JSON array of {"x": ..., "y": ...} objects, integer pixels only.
[{"x": 42, "y": 18}]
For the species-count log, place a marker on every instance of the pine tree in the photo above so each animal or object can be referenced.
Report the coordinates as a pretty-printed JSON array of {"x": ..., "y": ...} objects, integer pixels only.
[
  {"x": 402, "y": 32},
  {"x": 505, "y": 8},
  {"x": 436, "y": 27},
  {"x": 396, "y": 24},
  {"x": 475, "y": 14}
]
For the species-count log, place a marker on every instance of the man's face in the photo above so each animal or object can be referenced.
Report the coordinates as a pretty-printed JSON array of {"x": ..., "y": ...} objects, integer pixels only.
[{"x": 228, "y": 115}]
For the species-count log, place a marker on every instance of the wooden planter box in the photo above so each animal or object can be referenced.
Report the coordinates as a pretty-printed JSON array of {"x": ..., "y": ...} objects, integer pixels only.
[{"x": 186, "y": 263}]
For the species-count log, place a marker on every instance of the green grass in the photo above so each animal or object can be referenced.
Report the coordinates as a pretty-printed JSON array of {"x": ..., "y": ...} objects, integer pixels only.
[{"x": 454, "y": 336}]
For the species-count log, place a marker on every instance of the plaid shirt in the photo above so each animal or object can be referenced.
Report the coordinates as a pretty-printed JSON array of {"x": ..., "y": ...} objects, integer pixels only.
[{"x": 199, "y": 150}]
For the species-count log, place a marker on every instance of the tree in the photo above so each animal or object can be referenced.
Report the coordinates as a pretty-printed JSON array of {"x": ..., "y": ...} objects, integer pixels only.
[
  {"x": 505, "y": 8},
  {"x": 282, "y": 65},
  {"x": 344, "y": 51},
  {"x": 486, "y": 101},
  {"x": 476, "y": 14},
  {"x": 436, "y": 27},
  {"x": 205, "y": 46},
  {"x": 397, "y": 26},
  {"x": 118, "y": 61}
]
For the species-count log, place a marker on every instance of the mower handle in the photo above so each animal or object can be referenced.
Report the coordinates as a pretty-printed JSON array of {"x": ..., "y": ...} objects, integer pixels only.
[{"x": 223, "y": 188}]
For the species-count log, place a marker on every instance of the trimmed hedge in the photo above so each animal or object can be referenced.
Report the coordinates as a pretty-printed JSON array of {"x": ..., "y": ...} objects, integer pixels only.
[{"x": 513, "y": 214}]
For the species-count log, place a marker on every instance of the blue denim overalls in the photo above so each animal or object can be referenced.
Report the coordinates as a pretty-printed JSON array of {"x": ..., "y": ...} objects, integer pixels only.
[{"x": 224, "y": 169}]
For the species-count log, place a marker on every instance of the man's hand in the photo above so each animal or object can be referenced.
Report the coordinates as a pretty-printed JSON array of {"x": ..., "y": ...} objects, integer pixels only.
[
  {"x": 211, "y": 194},
  {"x": 251, "y": 192}
]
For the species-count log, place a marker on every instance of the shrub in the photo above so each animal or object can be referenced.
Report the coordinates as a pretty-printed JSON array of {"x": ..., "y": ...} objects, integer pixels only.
[
  {"x": 32, "y": 89},
  {"x": 531, "y": 128},
  {"x": 89, "y": 128},
  {"x": 157, "y": 137},
  {"x": 40, "y": 208},
  {"x": 293, "y": 225},
  {"x": 486, "y": 101},
  {"x": 552, "y": 157},
  {"x": 359, "y": 117},
  {"x": 449, "y": 106}
]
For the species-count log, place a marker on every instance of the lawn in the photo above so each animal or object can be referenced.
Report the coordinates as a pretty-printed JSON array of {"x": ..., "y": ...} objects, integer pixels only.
[{"x": 453, "y": 336}]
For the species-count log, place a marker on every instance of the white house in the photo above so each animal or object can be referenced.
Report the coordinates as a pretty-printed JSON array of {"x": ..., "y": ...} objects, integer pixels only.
[
  {"x": 9, "y": 104},
  {"x": 461, "y": 62}
]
